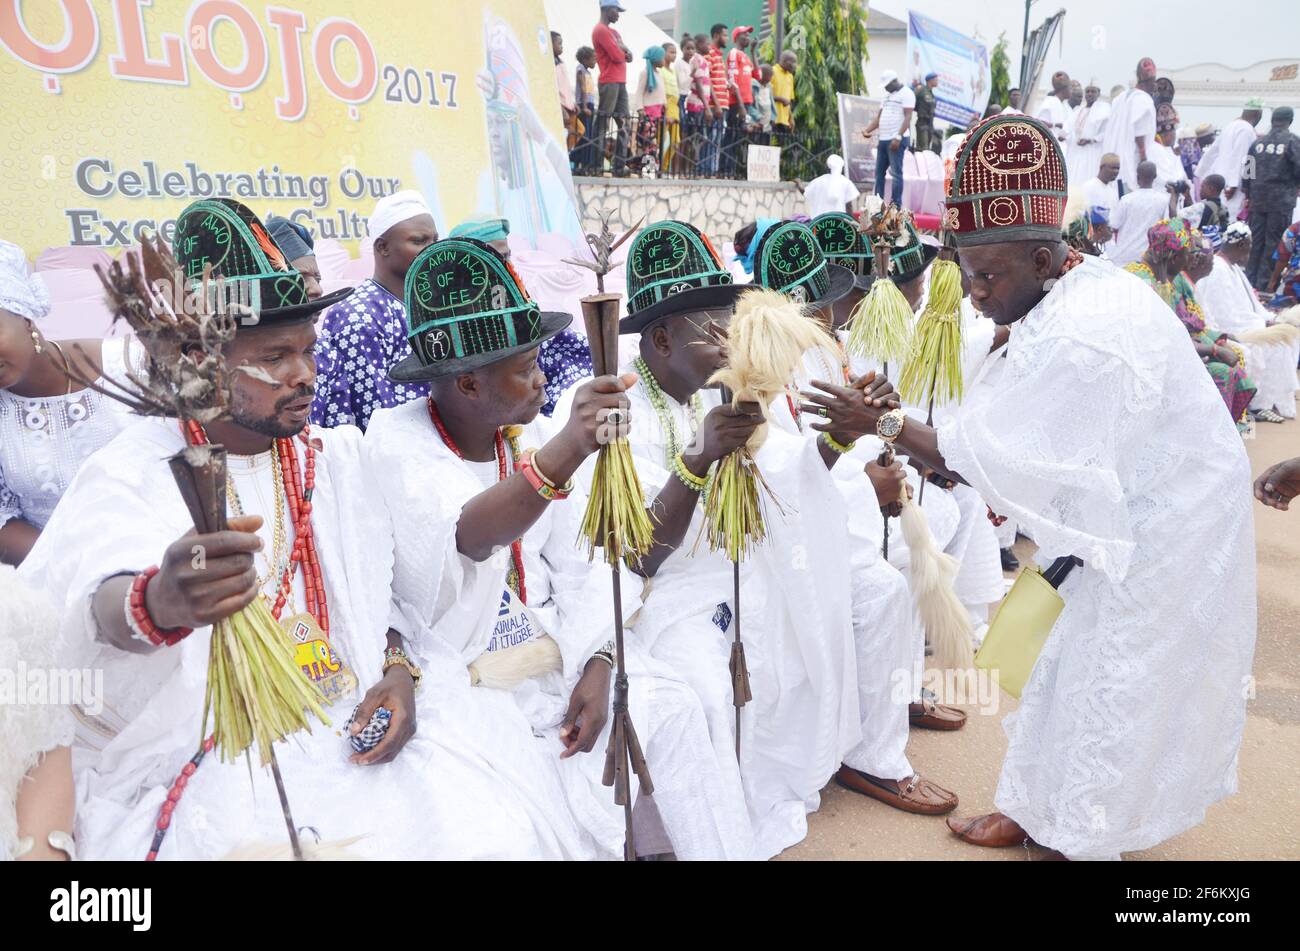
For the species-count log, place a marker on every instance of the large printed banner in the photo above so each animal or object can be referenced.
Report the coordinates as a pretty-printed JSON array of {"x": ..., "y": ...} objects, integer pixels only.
[
  {"x": 118, "y": 113},
  {"x": 965, "y": 79},
  {"x": 856, "y": 113}
]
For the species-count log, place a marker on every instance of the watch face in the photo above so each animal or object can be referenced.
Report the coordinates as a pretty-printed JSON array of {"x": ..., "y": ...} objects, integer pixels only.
[{"x": 890, "y": 426}]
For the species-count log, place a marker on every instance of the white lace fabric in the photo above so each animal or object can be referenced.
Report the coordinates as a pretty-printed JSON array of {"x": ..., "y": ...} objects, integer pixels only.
[
  {"x": 44, "y": 441},
  {"x": 1100, "y": 432}
]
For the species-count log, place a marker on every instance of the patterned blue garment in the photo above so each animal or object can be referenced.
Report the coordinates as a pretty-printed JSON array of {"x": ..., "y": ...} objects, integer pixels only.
[
  {"x": 565, "y": 360},
  {"x": 360, "y": 338}
]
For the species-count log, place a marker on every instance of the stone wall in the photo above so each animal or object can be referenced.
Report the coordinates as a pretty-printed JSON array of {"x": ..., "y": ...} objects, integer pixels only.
[{"x": 718, "y": 208}]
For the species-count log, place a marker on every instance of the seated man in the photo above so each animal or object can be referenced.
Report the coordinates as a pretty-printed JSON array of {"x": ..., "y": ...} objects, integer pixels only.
[
  {"x": 511, "y": 622},
  {"x": 889, "y": 639},
  {"x": 1233, "y": 306},
  {"x": 326, "y": 567},
  {"x": 796, "y": 623}
]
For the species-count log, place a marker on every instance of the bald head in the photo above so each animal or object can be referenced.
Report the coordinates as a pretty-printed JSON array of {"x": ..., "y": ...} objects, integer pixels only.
[{"x": 1146, "y": 174}]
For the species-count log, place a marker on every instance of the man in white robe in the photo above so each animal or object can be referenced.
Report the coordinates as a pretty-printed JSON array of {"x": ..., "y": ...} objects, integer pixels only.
[
  {"x": 1136, "y": 212},
  {"x": 1132, "y": 125},
  {"x": 794, "y": 587},
  {"x": 124, "y": 513},
  {"x": 1129, "y": 728},
  {"x": 1227, "y": 155},
  {"x": 517, "y": 642},
  {"x": 1054, "y": 112},
  {"x": 1232, "y": 306},
  {"x": 1087, "y": 132},
  {"x": 890, "y": 641}
]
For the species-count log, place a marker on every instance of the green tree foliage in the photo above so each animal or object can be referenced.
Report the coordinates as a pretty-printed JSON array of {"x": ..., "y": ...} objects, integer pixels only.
[
  {"x": 1000, "y": 67},
  {"x": 830, "y": 37}
]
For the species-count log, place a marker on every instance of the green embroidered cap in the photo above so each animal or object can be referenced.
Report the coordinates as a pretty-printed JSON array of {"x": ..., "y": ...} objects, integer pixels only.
[
  {"x": 226, "y": 235},
  {"x": 672, "y": 268},
  {"x": 467, "y": 308},
  {"x": 789, "y": 259},
  {"x": 844, "y": 244}
]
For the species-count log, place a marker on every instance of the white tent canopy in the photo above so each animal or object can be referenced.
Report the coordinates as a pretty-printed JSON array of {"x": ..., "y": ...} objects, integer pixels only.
[{"x": 573, "y": 20}]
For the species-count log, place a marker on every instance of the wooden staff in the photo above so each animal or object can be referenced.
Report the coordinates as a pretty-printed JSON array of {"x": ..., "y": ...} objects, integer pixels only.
[
  {"x": 623, "y": 754},
  {"x": 740, "y": 692}
]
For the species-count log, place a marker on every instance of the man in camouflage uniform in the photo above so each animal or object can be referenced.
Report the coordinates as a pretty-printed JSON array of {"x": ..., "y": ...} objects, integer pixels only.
[{"x": 925, "y": 136}]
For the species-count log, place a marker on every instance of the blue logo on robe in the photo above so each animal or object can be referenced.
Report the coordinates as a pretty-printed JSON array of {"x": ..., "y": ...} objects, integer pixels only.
[{"x": 722, "y": 617}]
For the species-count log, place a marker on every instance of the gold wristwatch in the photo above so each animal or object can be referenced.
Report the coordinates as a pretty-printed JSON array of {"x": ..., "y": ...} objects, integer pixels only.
[
  {"x": 890, "y": 426},
  {"x": 396, "y": 657}
]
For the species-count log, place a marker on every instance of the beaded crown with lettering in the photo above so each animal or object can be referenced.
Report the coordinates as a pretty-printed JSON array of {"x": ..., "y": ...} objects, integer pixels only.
[
  {"x": 466, "y": 308},
  {"x": 843, "y": 242},
  {"x": 1008, "y": 184}
]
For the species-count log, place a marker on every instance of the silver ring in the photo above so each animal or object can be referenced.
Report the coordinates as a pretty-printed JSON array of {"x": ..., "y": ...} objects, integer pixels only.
[
  {"x": 615, "y": 417},
  {"x": 822, "y": 412}
]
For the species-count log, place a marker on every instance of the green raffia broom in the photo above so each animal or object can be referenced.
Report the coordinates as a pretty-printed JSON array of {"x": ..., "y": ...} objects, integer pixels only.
[
  {"x": 933, "y": 367},
  {"x": 256, "y": 694},
  {"x": 880, "y": 327}
]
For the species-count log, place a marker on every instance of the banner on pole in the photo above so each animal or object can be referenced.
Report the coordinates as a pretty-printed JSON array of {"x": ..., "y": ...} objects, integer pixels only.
[{"x": 965, "y": 78}]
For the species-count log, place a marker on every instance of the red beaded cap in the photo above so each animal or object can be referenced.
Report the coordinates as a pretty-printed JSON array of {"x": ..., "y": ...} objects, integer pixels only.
[{"x": 1008, "y": 184}]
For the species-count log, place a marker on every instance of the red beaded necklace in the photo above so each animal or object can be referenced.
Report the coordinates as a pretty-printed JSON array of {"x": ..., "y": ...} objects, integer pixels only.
[
  {"x": 516, "y": 546},
  {"x": 299, "y": 492}
]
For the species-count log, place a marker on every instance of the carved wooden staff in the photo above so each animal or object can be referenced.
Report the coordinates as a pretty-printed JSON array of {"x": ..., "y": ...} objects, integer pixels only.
[
  {"x": 740, "y": 692},
  {"x": 623, "y": 754}
]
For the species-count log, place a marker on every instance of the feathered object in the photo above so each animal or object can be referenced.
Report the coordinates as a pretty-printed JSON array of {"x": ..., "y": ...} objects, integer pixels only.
[
  {"x": 256, "y": 694},
  {"x": 1280, "y": 333},
  {"x": 767, "y": 339},
  {"x": 880, "y": 327},
  {"x": 1290, "y": 316},
  {"x": 930, "y": 576},
  {"x": 933, "y": 368}
]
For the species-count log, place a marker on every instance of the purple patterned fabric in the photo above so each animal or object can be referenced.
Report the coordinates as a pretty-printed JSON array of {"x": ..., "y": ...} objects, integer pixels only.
[
  {"x": 360, "y": 338},
  {"x": 364, "y": 334},
  {"x": 565, "y": 360}
]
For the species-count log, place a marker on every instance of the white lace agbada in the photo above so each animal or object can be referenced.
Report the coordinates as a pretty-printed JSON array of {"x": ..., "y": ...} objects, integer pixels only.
[
  {"x": 1098, "y": 430},
  {"x": 446, "y": 605},
  {"x": 120, "y": 514}
]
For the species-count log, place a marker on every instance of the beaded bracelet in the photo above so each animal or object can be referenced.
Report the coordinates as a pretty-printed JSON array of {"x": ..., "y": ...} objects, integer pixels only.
[
  {"x": 137, "y": 615},
  {"x": 835, "y": 446},
  {"x": 541, "y": 485},
  {"x": 689, "y": 478}
]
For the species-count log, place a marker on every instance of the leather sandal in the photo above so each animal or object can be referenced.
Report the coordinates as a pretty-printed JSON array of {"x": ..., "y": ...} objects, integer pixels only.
[
  {"x": 915, "y": 795},
  {"x": 993, "y": 831},
  {"x": 929, "y": 715}
]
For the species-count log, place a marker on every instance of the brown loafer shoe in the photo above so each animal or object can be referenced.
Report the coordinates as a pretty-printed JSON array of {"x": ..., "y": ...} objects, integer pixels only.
[
  {"x": 916, "y": 795},
  {"x": 993, "y": 831},
  {"x": 928, "y": 715}
]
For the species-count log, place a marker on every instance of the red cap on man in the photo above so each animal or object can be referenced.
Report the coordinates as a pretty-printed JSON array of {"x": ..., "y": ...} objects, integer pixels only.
[
  {"x": 1008, "y": 184},
  {"x": 739, "y": 30}
]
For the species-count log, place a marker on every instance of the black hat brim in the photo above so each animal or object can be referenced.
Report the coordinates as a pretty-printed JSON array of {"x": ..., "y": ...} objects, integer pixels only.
[
  {"x": 714, "y": 297},
  {"x": 288, "y": 315},
  {"x": 842, "y": 284},
  {"x": 411, "y": 370},
  {"x": 928, "y": 253}
]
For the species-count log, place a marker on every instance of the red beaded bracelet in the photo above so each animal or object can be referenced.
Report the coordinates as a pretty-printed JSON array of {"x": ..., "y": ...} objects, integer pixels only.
[
  {"x": 137, "y": 614},
  {"x": 541, "y": 485}
]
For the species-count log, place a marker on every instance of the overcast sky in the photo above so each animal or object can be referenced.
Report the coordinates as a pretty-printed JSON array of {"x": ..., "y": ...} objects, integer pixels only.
[{"x": 1106, "y": 38}]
